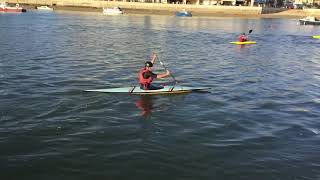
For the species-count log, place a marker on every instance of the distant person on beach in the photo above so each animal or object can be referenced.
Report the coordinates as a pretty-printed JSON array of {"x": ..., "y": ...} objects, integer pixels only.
[
  {"x": 243, "y": 37},
  {"x": 146, "y": 75}
]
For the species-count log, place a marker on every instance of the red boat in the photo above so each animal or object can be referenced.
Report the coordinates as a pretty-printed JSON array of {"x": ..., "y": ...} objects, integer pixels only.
[{"x": 4, "y": 7}]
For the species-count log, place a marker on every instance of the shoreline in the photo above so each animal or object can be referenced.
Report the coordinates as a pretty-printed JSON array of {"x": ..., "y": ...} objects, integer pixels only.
[{"x": 286, "y": 14}]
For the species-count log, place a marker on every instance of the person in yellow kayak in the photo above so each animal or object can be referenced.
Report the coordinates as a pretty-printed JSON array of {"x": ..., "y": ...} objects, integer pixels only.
[
  {"x": 243, "y": 37},
  {"x": 146, "y": 75}
]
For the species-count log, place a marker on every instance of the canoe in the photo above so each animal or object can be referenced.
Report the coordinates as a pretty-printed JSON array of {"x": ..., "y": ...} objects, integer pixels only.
[
  {"x": 164, "y": 90},
  {"x": 246, "y": 42},
  {"x": 317, "y": 37}
]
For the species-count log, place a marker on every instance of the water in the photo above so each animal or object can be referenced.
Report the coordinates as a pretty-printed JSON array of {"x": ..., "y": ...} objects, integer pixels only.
[{"x": 259, "y": 121}]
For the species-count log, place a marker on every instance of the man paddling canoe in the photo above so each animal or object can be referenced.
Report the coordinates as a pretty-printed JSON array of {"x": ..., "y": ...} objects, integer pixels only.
[
  {"x": 243, "y": 37},
  {"x": 146, "y": 75}
]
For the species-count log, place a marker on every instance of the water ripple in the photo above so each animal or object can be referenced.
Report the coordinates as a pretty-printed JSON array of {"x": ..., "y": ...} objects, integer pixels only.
[{"x": 259, "y": 121}]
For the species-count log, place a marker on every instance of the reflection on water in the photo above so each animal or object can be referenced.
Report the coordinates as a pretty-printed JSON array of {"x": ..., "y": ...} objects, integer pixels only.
[
  {"x": 159, "y": 104},
  {"x": 239, "y": 47},
  {"x": 146, "y": 105}
]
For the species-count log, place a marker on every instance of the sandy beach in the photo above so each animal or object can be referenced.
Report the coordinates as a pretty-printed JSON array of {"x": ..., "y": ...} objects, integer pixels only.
[
  {"x": 195, "y": 10},
  {"x": 284, "y": 14},
  {"x": 291, "y": 13}
]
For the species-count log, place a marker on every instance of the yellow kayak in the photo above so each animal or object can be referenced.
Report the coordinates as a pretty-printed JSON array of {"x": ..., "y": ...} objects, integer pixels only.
[
  {"x": 246, "y": 42},
  {"x": 318, "y": 37}
]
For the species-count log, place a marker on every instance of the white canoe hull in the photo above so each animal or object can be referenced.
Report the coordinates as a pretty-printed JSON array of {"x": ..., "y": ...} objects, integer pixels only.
[{"x": 164, "y": 90}]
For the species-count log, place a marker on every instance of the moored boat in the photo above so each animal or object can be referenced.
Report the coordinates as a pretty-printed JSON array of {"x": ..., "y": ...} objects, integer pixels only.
[
  {"x": 310, "y": 20},
  {"x": 4, "y": 7},
  {"x": 112, "y": 11},
  {"x": 183, "y": 13},
  {"x": 45, "y": 8}
]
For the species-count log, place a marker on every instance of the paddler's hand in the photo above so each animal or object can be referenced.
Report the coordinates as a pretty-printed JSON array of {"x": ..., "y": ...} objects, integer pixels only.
[
  {"x": 167, "y": 72},
  {"x": 154, "y": 56}
]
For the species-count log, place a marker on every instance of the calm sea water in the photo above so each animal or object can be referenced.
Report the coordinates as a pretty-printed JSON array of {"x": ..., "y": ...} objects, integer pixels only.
[{"x": 260, "y": 120}]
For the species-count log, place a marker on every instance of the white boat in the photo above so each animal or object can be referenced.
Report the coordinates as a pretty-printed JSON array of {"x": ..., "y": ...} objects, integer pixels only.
[
  {"x": 45, "y": 8},
  {"x": 4, "y": 7},
  {"x": 164, "y": 90},
  {"x": 310, "y": 20},
  {"x": 112, "y": 11}
]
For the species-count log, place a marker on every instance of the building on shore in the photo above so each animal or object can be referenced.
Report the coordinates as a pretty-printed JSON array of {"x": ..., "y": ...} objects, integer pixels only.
[
  {"x": 202, "y": 2},
  {"x": 269, "y": 3},
  {"x": 307, "y": 2}
]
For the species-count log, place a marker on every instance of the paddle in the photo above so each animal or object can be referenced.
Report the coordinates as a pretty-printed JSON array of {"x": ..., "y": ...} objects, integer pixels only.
[
  {"x": 250, "y": 31},
  {"x": 165, "y": 68}
]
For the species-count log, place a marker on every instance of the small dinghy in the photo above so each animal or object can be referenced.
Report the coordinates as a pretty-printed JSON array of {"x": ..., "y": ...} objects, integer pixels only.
[
  {"x": 112, "y": 11},
  {"x": 183, "y": 13},
  {"x": 4, "y": 7},
  {"x": 309, "y": 21},
  {"x": 45, "y": 8}
]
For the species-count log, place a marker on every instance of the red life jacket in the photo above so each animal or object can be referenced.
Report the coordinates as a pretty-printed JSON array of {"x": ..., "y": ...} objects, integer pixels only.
[
  {"x": 145, "y": 82},
  {"x": 242, "y": 38}
]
